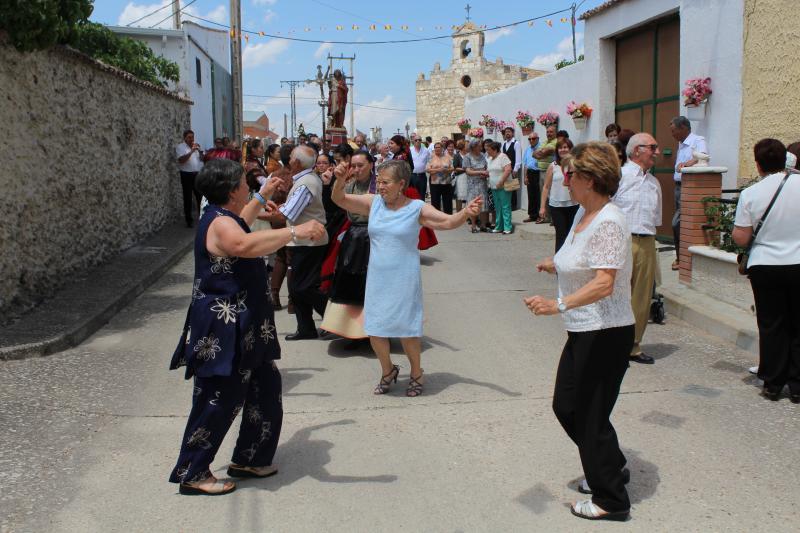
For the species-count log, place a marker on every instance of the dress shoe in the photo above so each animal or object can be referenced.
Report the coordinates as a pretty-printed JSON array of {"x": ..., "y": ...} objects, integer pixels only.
[
  {"x": 643, "y": 359},
  {"x": 529, "y": 219},
  {"x": 302, "y": 335},
  {"x": 771, "y": 394},
  {"x": 794, "y": 398},
  {"x": 325, "y": 335}
]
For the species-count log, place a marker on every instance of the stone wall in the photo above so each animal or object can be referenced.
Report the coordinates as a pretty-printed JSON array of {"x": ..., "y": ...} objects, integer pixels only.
[
  {"x": 88, "y": 168},
  {"x": 440, "y": 99},
  {"x": 770, "y": 74}
]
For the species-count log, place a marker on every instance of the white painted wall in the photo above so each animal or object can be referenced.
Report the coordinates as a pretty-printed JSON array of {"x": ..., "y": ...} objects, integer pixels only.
[
  {"x": 711, "y": 45},
  {"x": 712, "y": 33},
  {"x": 201, "y": 95},
  {"x": 216, "y": 43}
]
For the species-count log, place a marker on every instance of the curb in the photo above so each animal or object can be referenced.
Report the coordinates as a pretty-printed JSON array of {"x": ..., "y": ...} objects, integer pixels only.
[
  {"x": 716, "y": 318},
  {"x": 70, "y": 335}
]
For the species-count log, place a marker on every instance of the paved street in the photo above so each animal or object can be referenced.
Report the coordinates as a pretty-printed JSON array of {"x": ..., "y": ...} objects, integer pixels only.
[{"x": 90, "y": 434}]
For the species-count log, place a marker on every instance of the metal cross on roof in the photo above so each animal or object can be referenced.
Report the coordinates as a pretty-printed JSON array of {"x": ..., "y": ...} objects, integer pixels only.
[{"x": 467, "y": 10}]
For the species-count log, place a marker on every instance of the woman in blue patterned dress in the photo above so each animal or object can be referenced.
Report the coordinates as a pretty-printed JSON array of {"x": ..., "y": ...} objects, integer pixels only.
[
  {"x": 393, "y": 300},
  {"x": 228, "y": 343}
]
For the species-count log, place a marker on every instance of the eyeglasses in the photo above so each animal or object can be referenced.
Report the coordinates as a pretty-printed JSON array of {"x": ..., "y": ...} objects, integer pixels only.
[
  {"x": 533, "y": 138},
  {"x": 653, "y": 147}
]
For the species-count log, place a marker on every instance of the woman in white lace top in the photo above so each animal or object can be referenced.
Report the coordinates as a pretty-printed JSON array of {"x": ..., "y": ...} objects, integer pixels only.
[{"x": 594, "y": 288}]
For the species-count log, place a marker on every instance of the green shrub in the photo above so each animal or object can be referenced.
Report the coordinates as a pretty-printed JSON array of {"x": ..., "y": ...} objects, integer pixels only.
[
  {"x": 39, "y": 24},
  {"x": 567, "y": 62}
]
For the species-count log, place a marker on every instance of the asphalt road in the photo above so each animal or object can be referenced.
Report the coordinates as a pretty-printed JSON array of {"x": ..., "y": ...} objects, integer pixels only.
[{"x": 90, "y": 434}]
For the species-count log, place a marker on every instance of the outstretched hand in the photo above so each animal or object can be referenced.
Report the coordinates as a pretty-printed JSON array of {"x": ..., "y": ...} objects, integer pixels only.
[
  {"x": 547, "y": 266},
  {"x": 539, "y": 305},
  {"x": 342, "y": 171},
  {"x": 268, "y": 188},
  {"x": 309, "y": 231},
  {"x": 473, "y": 209}
]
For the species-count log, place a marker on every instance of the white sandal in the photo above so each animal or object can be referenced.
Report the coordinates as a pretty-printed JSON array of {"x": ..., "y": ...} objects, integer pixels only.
[{"x": 588, "y": 510}]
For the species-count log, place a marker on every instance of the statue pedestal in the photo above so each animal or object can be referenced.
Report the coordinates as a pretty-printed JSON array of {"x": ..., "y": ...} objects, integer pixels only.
[{"x": 336, "y": 136}]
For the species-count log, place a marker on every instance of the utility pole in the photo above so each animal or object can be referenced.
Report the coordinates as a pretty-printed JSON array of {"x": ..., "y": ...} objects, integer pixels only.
[
  {"x": 285, "y": 133},
  {"x": 293, "y": 84},
  {"x": 176, "y": 15},
  {"x": 350, "y": 81},
  {"x": 572, "y": 22},
  {"x": 236, "y": 67}
]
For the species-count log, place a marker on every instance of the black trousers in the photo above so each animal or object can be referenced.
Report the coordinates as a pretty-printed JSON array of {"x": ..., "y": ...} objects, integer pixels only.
[
  {"x": 442, "y": 197},
  {"x": 776, "y": 290},
  {"x": 590, "y": 373},
  {"x": 216, "y": 402},
  {"x": 420, "y": 182},
  {"x": 562, "y": 218},
  {"x": 306, "y": 265},
  {"x": 676, "y": 220},
  {"x": 187, "y": 186},
  {"x": 534, "y": 193}
]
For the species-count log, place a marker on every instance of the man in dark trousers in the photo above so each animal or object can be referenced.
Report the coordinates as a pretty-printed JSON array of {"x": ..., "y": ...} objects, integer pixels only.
[
  {"x": 304, "y": 203},
  {"x": 190, "y": 162},
  {"x": 514, "y": 152}
]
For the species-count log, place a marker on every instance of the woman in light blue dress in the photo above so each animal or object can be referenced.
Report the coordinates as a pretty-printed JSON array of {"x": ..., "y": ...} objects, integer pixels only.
[{"x": 393, "y": 301}]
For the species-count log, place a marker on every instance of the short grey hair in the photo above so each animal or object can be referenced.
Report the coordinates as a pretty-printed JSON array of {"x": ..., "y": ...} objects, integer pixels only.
[
  {"x": 637, "y": 140},
  {"x": 681, "y": 122},
  {"x": 305, "y": 155},
  {"x": 397, "y": 169},
  {"x": 473, "y": 143}
]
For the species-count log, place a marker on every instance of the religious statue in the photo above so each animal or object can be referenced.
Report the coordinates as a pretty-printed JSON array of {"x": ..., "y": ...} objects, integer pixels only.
[{"x": 337, "y": 100}]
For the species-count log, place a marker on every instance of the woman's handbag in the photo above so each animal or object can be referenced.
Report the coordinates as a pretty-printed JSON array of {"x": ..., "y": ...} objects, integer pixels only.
[
  {"x": 511, "y": 185},
  {"x": 743, "y": 257}
]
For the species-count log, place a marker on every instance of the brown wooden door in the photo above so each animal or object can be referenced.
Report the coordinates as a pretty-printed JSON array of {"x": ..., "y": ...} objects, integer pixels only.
[{"x": 648, "y": 96}]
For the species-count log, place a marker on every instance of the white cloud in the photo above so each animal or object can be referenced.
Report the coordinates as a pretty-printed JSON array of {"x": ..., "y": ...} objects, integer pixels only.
[
  {"x": 562, "y": 51},
  {"x": 264, "y": 2},
  {"x": 269, "y": 15},
  {"x": 268, "y": 52},
  {"x": 492, "y": 36},
  {"x": 323, "y": 48},
  {"x": 133, "y": 11},
  {"x": 388, "y": 121}
]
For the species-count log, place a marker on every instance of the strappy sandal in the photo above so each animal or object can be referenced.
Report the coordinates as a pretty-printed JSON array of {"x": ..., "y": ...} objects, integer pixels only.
[
  {"x": 414, "y": 386},
  {"x": 188, "y": 489},
  {"x": 586, "y": 509},
  {"x": 386, "y": 381}
]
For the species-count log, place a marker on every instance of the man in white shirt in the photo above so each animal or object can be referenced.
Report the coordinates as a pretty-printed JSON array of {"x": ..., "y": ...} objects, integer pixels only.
[
  {"x": 513, "y": 150},
  {"x": 420, "y": 157},
  {"x": 688, "y": 142},
  {"x": 639, "y": 197},
  {"x": 190, "y": 162}
]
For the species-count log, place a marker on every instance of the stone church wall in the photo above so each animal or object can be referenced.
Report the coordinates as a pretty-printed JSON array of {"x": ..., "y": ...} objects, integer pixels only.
[
  {"x": 440, "y": 99},
  {"x": 88, "y": 168}
]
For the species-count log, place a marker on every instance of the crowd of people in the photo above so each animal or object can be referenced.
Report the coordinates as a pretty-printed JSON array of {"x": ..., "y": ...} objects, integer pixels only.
[{"x": 345, "y": 225}]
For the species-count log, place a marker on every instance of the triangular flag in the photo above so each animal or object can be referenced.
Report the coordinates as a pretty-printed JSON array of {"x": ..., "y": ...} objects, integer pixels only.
[
  {"x": 246, "y": 38},
  {"x": 233, "y": 33},
  {"x": 530, "y": 23},
  {"x": 387, "y": 27},
  {"x": 372, "y": 26},
  {"x": 549, "y": 22},
  {"x": 355, "y": 27},
  {"x": 339, "y": 27},
  {"x": 261, "y": 33}
]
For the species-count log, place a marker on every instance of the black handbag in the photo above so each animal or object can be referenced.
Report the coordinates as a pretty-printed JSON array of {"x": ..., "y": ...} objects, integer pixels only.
[{"x": 743, "y": 257}]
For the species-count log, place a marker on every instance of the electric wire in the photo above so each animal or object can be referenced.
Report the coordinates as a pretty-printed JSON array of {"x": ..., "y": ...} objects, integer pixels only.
[
  {"x": 152, "y": 13},
  {"x": 171, "y": 15}
]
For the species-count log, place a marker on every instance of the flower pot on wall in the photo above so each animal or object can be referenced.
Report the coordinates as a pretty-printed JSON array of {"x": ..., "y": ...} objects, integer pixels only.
[
  {"x": 580, "y": 122},
  {"x": 489, "y": 130},
  {"x": 696, "y": 112},
  {"x": 527, "y": 130}
]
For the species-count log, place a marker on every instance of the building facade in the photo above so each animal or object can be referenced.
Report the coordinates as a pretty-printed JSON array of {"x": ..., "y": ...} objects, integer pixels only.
[
  {"x": 203, "y": 57},
  {"x": 441, "y": 96},
  {"x": 256, "y": 124}
]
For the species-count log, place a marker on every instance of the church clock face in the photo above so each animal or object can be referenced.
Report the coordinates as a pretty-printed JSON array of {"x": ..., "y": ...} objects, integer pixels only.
[{"x": 466, "y": 81}]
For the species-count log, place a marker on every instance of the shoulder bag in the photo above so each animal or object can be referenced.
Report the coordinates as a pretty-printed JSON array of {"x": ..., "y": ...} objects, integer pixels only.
[{"x": 743, "y": 257}]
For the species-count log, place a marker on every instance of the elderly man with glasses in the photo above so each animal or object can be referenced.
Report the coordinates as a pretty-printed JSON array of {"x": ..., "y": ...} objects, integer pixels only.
[
  {"x": 530, "y": 175},
  {"x": 639, "y": 197}
]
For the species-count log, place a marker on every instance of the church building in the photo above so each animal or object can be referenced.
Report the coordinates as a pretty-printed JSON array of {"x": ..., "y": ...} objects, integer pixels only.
[{"x": 440, "y": 98}]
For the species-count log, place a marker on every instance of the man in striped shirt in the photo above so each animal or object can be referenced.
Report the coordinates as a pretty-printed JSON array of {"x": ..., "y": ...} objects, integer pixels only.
[{"x": 304, "y": 203}]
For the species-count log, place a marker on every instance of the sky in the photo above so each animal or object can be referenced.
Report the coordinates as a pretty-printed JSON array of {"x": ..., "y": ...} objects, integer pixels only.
[{"x": 385, "y": 74}]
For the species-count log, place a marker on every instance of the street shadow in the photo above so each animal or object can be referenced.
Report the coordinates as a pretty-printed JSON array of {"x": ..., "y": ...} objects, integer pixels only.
[
  {"x": 436, "y": 382},
  {"x": 302, "y": 456},
  {"x": 660, "y": 350},
  {"x": 348, "y": 348},
  {"x": 538, "y": 498},
  {"x": 426, "y": 260},
  {"x": 292, "y": 377},
  {"x": 644, "y": 478},
  {"x": 428, "y": 342}
]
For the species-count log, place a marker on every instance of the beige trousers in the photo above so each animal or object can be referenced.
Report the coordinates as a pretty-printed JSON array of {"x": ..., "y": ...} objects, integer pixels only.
[{"x": 644, "y": 272}]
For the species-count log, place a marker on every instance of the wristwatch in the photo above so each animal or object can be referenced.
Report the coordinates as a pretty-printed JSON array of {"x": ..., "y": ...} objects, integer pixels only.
[{"x": 562, "y": 307}]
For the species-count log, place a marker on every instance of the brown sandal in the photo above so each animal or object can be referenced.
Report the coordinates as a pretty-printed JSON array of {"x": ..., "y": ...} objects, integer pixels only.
[
  {"x": 191, "y": 489},
  {"x": 414, "y": 386}
]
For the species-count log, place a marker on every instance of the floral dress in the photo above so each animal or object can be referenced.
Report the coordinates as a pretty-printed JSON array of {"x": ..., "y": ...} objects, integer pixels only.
[{"x": 230, "y": 324}]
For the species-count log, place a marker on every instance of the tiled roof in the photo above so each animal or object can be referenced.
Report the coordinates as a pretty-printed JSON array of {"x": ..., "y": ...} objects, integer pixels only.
[{"x": 599, "y": 9}]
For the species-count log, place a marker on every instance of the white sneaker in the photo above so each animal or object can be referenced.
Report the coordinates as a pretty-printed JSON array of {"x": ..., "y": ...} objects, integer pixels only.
[{"x": 753, "y": 370}]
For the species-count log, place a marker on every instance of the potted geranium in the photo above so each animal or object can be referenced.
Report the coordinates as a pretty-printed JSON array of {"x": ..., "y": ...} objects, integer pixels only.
[
  {"x": 548, "y": 119},
  {"x": 489, "y": 122},
  {"x": 695, "y": 97},
  {"x": 464, "y": 125},
  {"x": 526, "y": 121},
  {"x": 476, "y": 132},
  {"x": 580, "y": 113}
]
